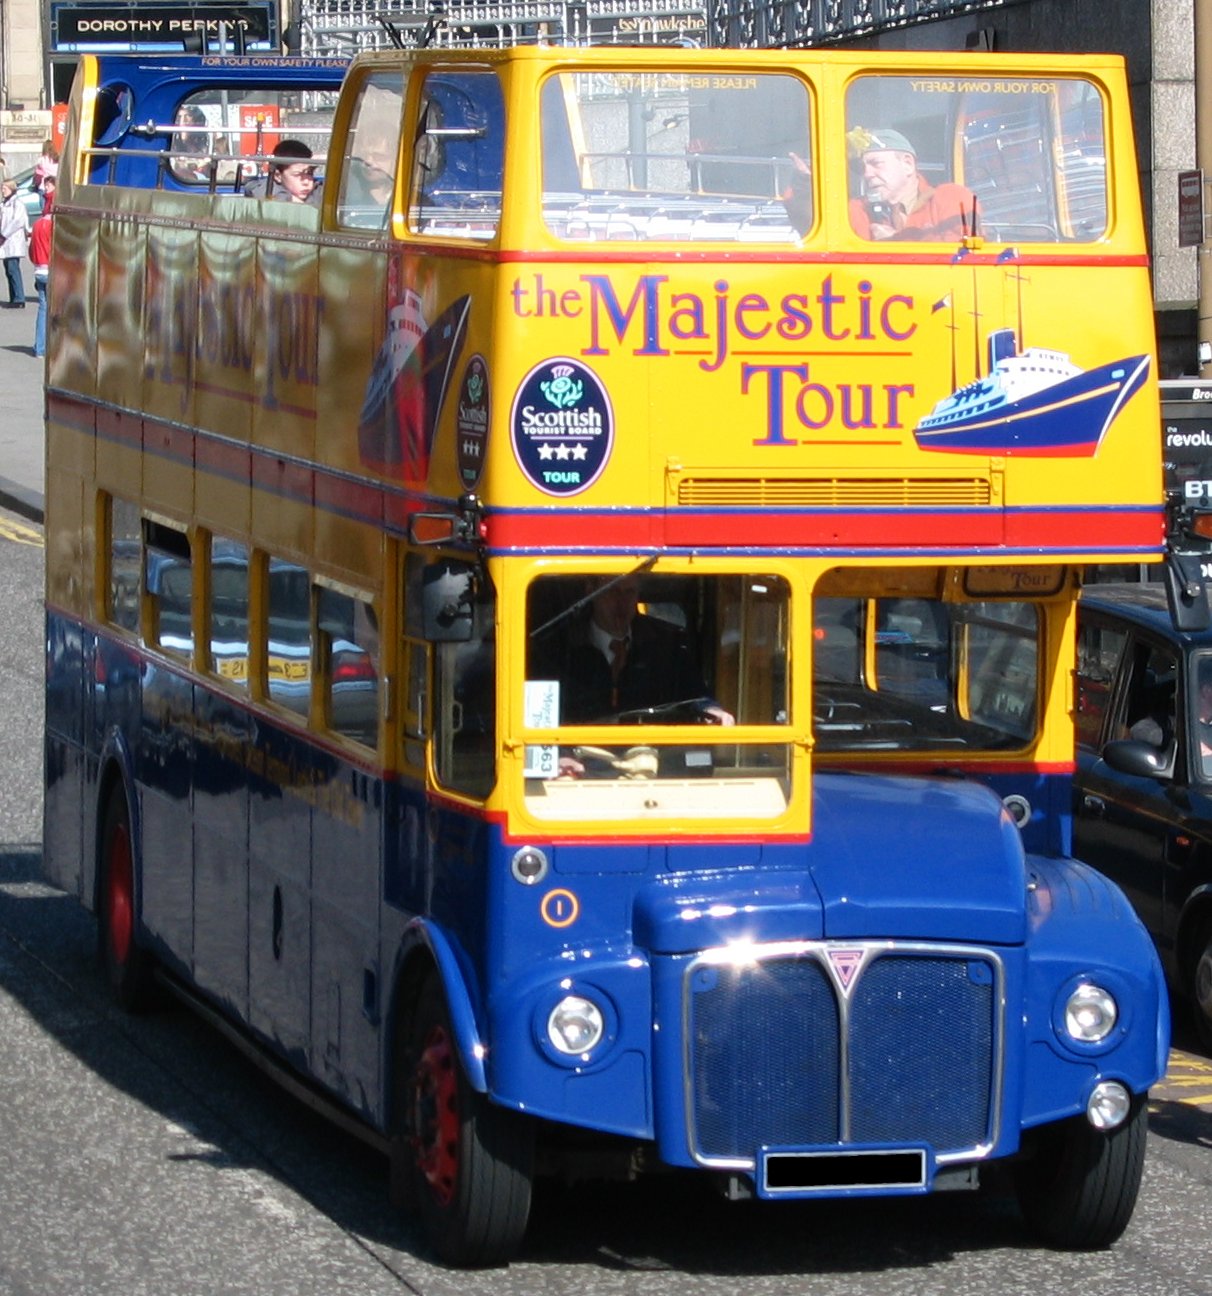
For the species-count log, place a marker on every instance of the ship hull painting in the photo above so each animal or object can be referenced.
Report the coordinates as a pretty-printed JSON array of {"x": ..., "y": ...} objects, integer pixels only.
[
  {"x": 1035, "y": 404},
  {"x": 408, "y": 387}
]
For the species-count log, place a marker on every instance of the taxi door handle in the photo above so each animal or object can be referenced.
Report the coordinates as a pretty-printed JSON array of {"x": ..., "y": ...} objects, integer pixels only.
[{"x": 1094, "y": 805}]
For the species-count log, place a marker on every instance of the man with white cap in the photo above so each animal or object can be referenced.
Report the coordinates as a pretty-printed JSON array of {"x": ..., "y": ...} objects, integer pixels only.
[{"x": 898, "y": 202}]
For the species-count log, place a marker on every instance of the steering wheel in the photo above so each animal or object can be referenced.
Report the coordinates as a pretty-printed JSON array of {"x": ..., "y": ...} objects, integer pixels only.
[
  {"x": 635, "y": 762},
  {"x": 685, "y": 711}
]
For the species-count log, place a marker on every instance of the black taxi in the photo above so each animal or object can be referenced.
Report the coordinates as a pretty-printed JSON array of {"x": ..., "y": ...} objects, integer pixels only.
[{"x": 1142, "y": 811}]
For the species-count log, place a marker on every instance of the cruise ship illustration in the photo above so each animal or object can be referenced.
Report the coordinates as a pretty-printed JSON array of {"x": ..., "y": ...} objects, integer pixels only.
[
  {"x": 408, "y": 385},
  {"x": 1036, "y": 402}
]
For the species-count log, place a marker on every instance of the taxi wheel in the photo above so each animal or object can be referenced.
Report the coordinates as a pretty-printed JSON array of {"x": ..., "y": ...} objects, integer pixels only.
[
  {"x": 470, "y": 1164},
  {"x": 1200, "y": 989},
  {"x": 1077, "y": 1187},
  {"x": 127, "y": 967}
]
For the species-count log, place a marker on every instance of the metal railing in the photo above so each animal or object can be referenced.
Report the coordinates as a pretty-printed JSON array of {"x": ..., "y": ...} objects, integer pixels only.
[{"x": 344, "y": 27}]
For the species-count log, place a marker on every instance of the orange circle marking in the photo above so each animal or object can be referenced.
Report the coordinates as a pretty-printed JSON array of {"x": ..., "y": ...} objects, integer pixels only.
[{"x": 560, "y": 908}]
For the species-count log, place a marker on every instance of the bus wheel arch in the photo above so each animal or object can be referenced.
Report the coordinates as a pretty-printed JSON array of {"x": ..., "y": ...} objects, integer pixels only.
[
  {"x": 461, "y": 1164},
  {"x": 127, "y": 966}
]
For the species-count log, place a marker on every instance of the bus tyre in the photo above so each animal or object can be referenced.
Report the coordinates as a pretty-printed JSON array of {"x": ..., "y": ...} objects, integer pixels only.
[
  {"x": 127, "y": 967},
  {"x": 469, "y": 1163},
  {"x": 1079, "y": 1188}
]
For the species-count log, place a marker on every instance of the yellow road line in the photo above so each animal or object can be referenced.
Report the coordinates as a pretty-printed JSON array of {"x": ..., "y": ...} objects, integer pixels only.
[{"x": 19, "y": 534}]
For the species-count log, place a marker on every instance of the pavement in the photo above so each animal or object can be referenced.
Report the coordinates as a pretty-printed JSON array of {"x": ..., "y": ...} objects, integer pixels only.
[{"x": 22, "y": 408}]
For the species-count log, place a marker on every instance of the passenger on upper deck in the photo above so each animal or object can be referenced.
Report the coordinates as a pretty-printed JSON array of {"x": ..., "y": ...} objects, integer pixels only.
[
  {"x": 898, "y": 202},
  {"x": 191, "y": 159},
  {"x": 291, "y": 180}
]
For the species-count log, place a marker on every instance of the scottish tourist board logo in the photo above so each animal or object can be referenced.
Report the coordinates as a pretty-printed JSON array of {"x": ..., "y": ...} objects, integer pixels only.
[
  {"x": 471, "y": 422},
  {"x": 563, "y": 427}
]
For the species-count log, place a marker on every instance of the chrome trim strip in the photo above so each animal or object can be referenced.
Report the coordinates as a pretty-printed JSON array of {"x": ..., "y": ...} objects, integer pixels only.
[{"x": 742, "y": 954}]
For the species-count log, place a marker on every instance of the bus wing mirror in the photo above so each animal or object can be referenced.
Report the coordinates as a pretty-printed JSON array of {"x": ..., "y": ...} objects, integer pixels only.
[{"x": 447, "y": 614}]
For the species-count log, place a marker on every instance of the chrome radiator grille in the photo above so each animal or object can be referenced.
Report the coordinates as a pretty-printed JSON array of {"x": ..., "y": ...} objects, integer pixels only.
[{"x": 818, "y": 1045}]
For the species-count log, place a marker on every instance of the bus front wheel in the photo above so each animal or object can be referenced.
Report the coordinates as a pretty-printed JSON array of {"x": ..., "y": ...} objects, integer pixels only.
[
  {"x": 469, "y": 1163},
  {"x": 1079, "y": 1188},
  {"x": 127, "y": 967}
]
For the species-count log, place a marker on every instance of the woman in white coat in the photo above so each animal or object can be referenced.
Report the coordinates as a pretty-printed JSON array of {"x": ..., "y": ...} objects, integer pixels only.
[{"x": 14, "y": 243}]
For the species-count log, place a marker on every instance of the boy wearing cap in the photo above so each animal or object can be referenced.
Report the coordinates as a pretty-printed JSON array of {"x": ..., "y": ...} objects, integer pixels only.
[{"x": 898, "y": 201}]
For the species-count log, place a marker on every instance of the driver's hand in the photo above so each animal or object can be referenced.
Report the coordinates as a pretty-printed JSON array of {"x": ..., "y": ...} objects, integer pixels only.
[
  {"x": 570, "y": 768},
  {"x": 719, "y": 715}
]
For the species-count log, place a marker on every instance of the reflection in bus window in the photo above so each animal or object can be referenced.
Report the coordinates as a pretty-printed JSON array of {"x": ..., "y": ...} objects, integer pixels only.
[
  {"x": 229, "y": 611},
  {"x": 935, "y": 160},
  {"x": 169, "y": 575},
  {"x": 288, "y": 646},
  {"x": 226, "y": 131},
  {"x": 907, "y": 674},
  {"x": 465, "y": 702},
  {"x": 458, "y": 156},
  {"x": 349, "y": 639},
  {"x": 368, "y": 179},
  {"x": 656, "y": 156},
  {"x": 125, "y": 560}
]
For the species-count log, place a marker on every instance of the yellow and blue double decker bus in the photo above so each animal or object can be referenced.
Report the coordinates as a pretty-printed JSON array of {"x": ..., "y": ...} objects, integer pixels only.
[{"x": 561, "y": 627}]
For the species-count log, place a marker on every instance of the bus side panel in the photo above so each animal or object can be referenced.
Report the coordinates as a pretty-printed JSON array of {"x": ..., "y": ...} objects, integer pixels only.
[
  {"x": 121, "y": 298},
  {"x": 227, "y": 329},
  {"x": 64, "y": 755},
  {"x": 164, "y": 769},
  {"x": 72, "y": 351},
  {"x": 346, "y": 890},
  {"x": 352, "y": 288},
  {"x": 285, "y": 366},
  {"x": 221, "y": 796},
  {"x": 279, "y": 893},
  {"x": 170, "y": 319}
]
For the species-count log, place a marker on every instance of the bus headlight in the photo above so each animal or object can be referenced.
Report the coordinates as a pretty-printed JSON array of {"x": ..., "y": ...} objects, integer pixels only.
[
  {"x": 1090, "y": 1014},
  {"x": 575, "y": 1026}
]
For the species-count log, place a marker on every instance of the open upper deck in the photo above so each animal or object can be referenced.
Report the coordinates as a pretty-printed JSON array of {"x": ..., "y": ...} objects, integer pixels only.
[{"x": 786, "y": 298}]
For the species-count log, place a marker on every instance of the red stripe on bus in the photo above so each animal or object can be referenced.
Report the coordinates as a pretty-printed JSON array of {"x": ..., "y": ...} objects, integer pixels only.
[
  {"x": 1071, "y": 529},
  {"x": 788, "y": 259}
]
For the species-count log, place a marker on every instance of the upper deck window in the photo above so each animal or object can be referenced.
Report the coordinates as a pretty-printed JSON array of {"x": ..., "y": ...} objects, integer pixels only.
[
  {"x": 656, "y": 156},
  {"x": 222, "y": 136},
  {"x": 458, "y": 156},
  {"x": 940, "y": 158},
  {"x": 369, "y": 179}
]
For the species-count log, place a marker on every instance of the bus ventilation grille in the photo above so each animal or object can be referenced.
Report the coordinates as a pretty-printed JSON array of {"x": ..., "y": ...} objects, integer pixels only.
[
  {"x": 834, "y": 492},
  {"x": 780, "y": 1059}
]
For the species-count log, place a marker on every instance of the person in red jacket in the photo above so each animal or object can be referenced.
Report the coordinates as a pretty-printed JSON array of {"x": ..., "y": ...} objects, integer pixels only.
[
  {"x": 39, "y": 254},
  {"x": 898, "y": 202}
]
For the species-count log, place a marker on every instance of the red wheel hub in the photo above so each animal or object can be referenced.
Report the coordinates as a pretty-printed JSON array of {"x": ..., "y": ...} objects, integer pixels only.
[
  {"x": 436, "y": 1115},
  {"x": 119, "y": 894}
]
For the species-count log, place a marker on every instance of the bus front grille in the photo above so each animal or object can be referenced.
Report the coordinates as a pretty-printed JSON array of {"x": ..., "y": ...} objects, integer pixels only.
[
  {"x": 841, "y": 492},
  {"x": 888, "y": 1045}
]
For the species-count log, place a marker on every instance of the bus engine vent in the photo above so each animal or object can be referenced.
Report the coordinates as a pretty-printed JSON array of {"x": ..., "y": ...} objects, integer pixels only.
[
  {"x": 834, "y": 492},
  {"x": 781, "y": 1056}
]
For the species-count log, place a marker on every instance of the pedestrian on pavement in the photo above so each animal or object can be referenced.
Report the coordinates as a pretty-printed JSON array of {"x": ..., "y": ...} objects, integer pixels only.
[
  {"x": 39, "y": 254},
  {"x": 14, "y": 243},
  {"x": 47, "y": 167}
]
